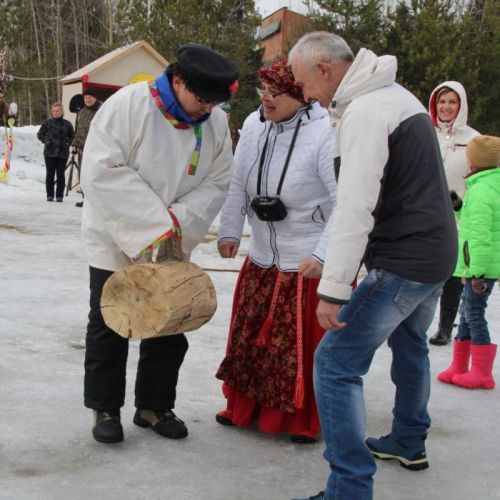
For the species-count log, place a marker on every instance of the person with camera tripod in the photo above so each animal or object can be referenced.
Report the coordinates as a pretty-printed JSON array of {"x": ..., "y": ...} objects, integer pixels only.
[
  {"x": 284, "y": 184},
  {"x": 83, "y": 120}
]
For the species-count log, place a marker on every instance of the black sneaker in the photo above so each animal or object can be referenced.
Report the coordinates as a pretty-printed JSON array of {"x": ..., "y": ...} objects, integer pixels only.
[
  {"x": 107, "y": 427},
  {"x": 409, "y": 457},
  {"x": 79, "y": 204},
  {"x": 302, "y": 439},
  {"x": 163, "y": 422},
  {"x": 223, "y": 420},
  {"x": 319, "y": 496}
]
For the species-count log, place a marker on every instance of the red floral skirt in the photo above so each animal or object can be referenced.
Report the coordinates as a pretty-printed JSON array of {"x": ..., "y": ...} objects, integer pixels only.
[{"x": 267, "y": 371}]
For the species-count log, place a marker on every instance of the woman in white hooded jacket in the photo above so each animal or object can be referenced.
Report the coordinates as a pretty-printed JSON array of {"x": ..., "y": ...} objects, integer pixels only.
[
  {"x": 267, "y": 370},
  {"x": 448, "y": 110}
]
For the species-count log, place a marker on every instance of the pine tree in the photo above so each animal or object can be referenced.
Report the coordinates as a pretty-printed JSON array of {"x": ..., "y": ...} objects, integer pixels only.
[
  {"x": 480, "y": 43},
  {"x": 228, "y": 26},
  {"x": 360, "y": 23},
  {"x": 433, "y": 40},
  {"x": 423, "y": 35},
  {"x": 47, "y": 40}
]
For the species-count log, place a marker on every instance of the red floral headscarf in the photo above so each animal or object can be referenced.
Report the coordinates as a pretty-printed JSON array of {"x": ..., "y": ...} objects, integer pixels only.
[{"x": 279, "y": 78}]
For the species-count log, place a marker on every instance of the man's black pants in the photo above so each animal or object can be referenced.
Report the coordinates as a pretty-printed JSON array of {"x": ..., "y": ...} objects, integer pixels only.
[{"x": 106, "y": 360}]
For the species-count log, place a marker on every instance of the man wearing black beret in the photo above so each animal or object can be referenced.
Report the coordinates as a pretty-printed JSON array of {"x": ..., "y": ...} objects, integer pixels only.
[
  {"x": 83, "y": 119},
  {"x": 156, "y": 169}
]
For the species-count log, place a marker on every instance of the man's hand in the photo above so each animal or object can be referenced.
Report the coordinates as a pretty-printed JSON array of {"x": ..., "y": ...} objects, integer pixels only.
[
  {"x": 228, "y": 249},
  {"x": 310, "y": 268},
  {"x": 328, "y": 316},
  {"x": 479, "y": 286}
]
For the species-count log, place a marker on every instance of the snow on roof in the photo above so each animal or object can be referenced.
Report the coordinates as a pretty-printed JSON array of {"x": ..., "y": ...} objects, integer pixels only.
[{"x": 112, "y": 57}]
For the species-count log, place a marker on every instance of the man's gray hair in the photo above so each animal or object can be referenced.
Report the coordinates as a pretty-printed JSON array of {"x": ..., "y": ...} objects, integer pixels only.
[{"x": 321, "y": 46}]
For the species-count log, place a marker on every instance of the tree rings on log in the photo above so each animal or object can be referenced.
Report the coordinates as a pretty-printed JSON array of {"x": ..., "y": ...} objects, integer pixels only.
[{"x": 152, "y": 300}]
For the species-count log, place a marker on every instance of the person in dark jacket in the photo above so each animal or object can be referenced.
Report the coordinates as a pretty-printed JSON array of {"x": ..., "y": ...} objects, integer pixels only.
[
  {"x": 56, "y": 133},
  {"x": 400, "y": 225},
  {"x": 83, "y": 120}
]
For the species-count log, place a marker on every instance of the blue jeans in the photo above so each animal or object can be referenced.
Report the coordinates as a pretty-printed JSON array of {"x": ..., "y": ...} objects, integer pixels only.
[
  {"x": 384, "y": 305},
  {"x": 473, "y": 325}
]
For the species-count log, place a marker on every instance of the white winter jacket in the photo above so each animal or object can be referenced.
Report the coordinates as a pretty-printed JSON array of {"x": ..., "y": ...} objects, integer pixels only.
[
  {"x": 453, "y": 138},
  {"x": 308, "y": 192},
  {"x": 393, "y": 207},
  {"x": 135, "y": 166}
]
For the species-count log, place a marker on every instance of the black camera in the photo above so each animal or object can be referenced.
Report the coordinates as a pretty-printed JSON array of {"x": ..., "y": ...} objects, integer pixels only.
[{"x": 268, "y": 208}]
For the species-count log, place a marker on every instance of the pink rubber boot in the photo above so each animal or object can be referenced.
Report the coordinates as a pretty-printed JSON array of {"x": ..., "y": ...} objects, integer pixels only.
[
  {"x": 480, "y": 375},
  {"x": 459, "y": 363}
]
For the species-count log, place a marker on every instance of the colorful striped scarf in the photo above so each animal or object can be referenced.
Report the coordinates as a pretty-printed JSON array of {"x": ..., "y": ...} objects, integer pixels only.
[{"x": 161, "y": 91}]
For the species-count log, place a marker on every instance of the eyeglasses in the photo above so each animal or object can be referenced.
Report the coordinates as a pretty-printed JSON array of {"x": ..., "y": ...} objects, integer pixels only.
[
  {"x": 204, "y": 103},
  {"x": 262, "y": 90}
]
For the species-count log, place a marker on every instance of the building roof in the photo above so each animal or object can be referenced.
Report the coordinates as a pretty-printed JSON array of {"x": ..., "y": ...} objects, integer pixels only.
[
  {"x": 293, "y": 12},
  {"x": 111, "y": 58}
]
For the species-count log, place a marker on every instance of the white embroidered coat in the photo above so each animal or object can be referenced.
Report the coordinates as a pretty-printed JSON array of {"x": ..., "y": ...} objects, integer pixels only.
[{"x": 135, "y": 166}]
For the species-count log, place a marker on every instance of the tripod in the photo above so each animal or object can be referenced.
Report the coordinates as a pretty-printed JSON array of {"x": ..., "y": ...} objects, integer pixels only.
[{"x": 72, "y": 165}]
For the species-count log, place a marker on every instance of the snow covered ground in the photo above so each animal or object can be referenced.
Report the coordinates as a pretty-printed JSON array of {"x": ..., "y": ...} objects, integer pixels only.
[{"x": 46, "y": 448}]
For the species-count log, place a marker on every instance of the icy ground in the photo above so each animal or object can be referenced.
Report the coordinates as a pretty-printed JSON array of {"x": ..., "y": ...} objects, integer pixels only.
[{"x": 46, "y": 448}]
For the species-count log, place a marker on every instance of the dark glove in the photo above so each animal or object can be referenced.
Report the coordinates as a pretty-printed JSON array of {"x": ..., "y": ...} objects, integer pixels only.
[
  {"x": 479, "y": 286},
  {"x": 456, "y": 201}
]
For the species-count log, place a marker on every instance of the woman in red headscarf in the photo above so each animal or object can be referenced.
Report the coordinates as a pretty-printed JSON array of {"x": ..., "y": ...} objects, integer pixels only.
[{"x": 284, "y": 184}]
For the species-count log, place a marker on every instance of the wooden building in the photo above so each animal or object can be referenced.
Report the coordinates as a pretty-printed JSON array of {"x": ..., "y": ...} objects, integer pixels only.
[
  {"x": 129, "y": 64},
  {"x": 279, "y": 31}
]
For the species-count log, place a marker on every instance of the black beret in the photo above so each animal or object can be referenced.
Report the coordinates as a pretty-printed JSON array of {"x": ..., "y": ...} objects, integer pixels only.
[{"x": 208, "y": 74}]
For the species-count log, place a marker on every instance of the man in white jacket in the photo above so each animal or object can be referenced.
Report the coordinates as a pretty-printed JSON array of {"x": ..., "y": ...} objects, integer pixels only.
[
  {"x": 394, "y": 215},
  {"x": 157, "y": 163}
]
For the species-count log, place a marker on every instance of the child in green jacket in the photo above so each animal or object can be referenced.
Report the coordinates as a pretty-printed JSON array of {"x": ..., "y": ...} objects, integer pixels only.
[{"x": 479, "y": 264}]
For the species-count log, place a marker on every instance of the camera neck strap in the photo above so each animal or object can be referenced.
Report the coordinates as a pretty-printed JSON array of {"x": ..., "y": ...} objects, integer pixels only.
[{"x": 287, "y": 161}]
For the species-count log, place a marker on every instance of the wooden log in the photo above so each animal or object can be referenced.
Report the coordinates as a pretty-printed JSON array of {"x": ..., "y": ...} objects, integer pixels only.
[{"x": 151, "y": 300}]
